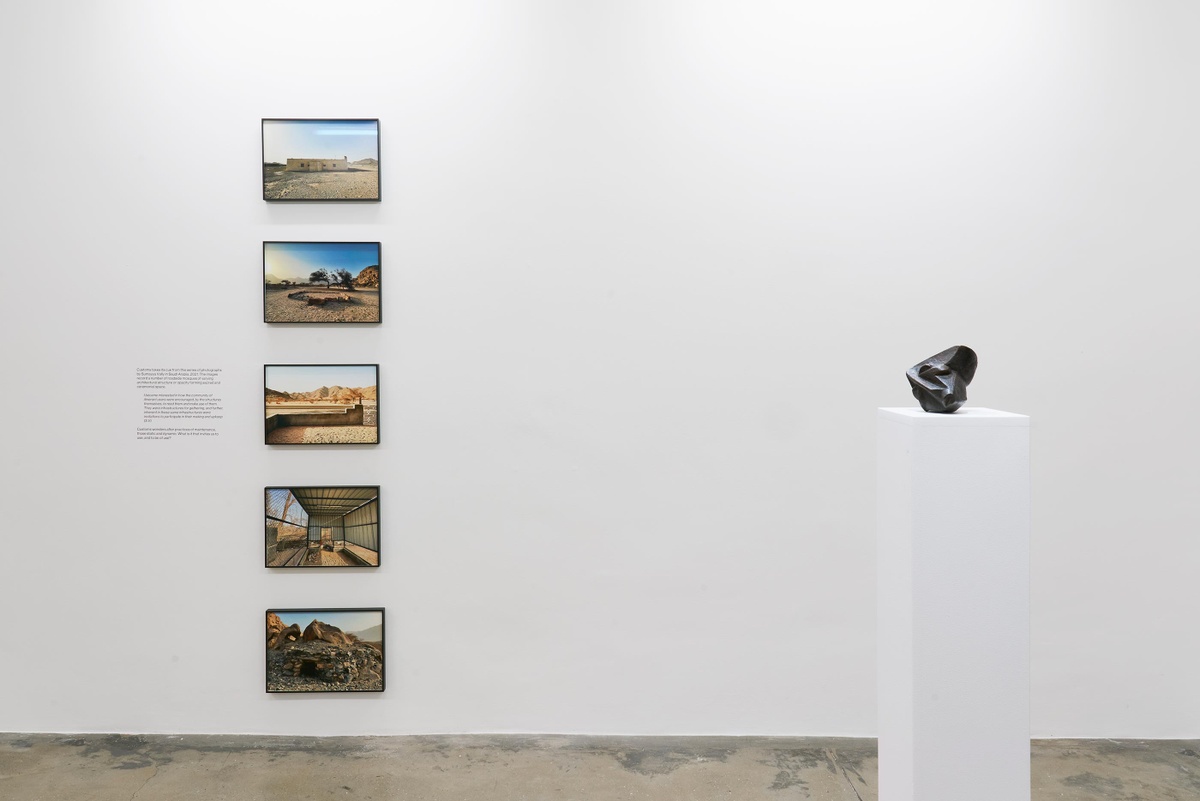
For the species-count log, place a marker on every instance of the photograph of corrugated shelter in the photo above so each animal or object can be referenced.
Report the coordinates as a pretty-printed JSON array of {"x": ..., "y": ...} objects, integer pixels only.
[{"x": 322, "y": 526}]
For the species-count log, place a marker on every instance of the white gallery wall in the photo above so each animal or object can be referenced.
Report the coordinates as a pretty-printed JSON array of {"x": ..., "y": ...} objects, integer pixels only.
[{"x": 649, "y": 268}]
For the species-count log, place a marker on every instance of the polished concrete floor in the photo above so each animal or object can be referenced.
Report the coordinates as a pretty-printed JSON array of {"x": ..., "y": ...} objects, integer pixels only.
[{"x": 41, "y": 767}]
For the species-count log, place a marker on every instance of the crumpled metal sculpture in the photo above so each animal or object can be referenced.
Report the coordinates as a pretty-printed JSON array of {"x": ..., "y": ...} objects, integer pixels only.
[{"x": 940, "y": 382}]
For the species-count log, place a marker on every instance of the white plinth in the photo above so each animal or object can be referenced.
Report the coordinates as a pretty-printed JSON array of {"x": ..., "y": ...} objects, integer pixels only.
[{"x": 953, "y": 544}]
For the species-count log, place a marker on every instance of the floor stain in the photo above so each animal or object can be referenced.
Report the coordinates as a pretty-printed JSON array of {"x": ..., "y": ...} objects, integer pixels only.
[
  {"x": 649, "y": 764},
  {"x": 786, "y": 780},
  {"x": 1096, "y": 784}
]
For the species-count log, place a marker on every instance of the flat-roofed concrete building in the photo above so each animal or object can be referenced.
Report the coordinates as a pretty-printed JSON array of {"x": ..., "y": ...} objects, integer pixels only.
[{"x": 317, "y": 165}]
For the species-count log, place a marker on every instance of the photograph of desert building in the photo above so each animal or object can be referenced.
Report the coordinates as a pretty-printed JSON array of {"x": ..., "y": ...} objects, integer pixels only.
[
  {"x": 321, "y": 282},
  {"x": 321, "y": 404},
  {"x": 320, "y": 159},
  {"x": 324, "y": 650},
  {"x": 322, "y": 526}
]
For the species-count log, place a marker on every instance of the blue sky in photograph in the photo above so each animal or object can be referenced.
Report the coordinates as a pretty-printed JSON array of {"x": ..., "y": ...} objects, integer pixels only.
[
  {"x": 294, "y": 261},
  {"x": 289, "y": 378},
  {"x": 346, "y": 621},
  {"x": 319, "y": 139}
]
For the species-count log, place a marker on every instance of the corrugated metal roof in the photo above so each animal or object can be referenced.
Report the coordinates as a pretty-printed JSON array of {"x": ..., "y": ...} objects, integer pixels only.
[{"x": 333, "y": 500}]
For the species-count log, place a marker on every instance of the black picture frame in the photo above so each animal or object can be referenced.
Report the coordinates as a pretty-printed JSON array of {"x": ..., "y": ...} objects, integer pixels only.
[
  {"x": 321, "y": 505},
  {"x": 311, "y": 414},
  {"x": 324, "y": 664},
  {"x": 350, "y": 190},
  {"x": 271, "y": 295}
]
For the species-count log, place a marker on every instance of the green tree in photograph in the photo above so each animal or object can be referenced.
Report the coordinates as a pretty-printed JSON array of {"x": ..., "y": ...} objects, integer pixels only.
[
  {"x": 343, "y": 278},
  {"x": 319, "y": 277}
]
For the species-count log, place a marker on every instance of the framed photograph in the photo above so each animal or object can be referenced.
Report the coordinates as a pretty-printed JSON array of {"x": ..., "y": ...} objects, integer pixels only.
[
  {"x": 325, "y": 650},
  {"x": 321, "y": 404},
  {"x": 322, "y": 526},
  {"x": 321, "y": 282},
  {"x": 320, "y": 159}
]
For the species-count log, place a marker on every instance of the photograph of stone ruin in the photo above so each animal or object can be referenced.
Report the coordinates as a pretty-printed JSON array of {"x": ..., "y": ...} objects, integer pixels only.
[
  {"x": 324, "y": 650},
  {"x": 321, "y": 404},
  {"x": 322, "y": 526},
  {"x": 320, "y": 159},
  {"x": 321, "y": 282}
]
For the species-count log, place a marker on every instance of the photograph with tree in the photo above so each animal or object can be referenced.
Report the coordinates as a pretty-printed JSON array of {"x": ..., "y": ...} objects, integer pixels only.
[{"x": 322, "y": 282}]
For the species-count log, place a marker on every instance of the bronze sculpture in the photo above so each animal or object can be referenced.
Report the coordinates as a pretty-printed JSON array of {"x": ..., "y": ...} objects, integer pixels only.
[{"x": 940, "y": 382}]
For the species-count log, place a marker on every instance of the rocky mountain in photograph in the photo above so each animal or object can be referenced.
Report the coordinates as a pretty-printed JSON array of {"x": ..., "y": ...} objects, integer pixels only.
[
  {"x": 372, "y": 634},
  {"x": 324, "y": 632},
  {"x": 367, "y": 162},
  {"x": 334, "y": 393},
  {"x": 368, "y": 277},
  {"x": 279, "y": 635}
]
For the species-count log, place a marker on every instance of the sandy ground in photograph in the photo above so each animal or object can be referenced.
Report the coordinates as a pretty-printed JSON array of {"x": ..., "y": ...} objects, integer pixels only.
[
  {"x": 357, "y": 183},
  {"x": 319, "y": 557},
  {"x": 323, "y": 435},
  {"x": 369, "y": 556},
  {"x": 363, "y": 307},
  {"x": 316, "y": 558}
]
